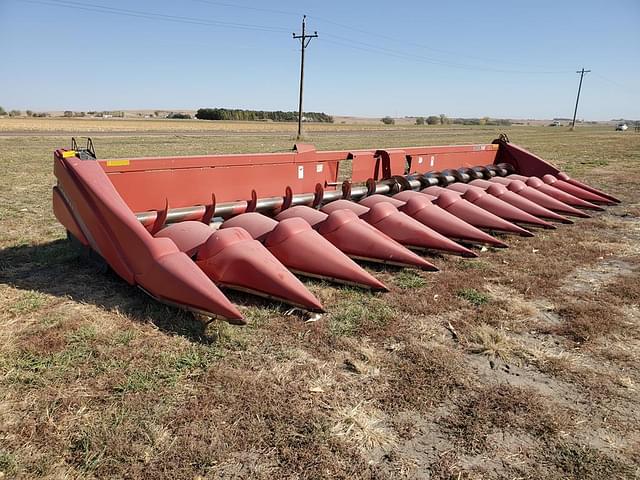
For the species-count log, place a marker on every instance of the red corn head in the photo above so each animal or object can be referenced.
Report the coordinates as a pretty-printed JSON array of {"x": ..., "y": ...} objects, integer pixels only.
[
  {"x": 356, "y": 208},
  {"x": 188, "y": 236},
  {"x": 356, "y": 237},
  {"x": 470, "y": 213},
  {"x": 303, "y": 250},
  {"x": 371, "y": 200},
  {"x": 479, "y": 197},
  {"x": 310, "y": 215},
  {"x": 575, "y": 190},
  {"x": 194, "y": 289},
  {"x": 421, "y": 207},
  {"x": 556, "y": 193},
  {"x": 230, "y": 257},
  {"x": 118, "y": 209},
  {"x": 389, "y": 217},
  {"x": 402, "y": 228},
  {"x": 566, "y": 178},
  {"x": 506, "y": 195},
  {"x": 520, "y": 188},
  {"x": 192, "y": 285}
]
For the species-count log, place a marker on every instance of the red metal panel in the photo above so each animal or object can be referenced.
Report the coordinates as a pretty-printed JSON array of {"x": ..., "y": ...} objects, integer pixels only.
[
  {"x": 394, "y": 162},
  {"x": 62, "y": 211},
  {"x": 438, "y": 158},
  {"x": 87, "y": 213},
  {"x": 114, "y": 232},
  {"x": 524, "y": 162},
  {"x": 148, "y": 190},
  {"x": 146, "y": 184},
  {"x": 364, "y": 165}
]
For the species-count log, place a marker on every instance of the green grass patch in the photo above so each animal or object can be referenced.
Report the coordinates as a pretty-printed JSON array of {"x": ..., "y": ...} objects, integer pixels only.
[
  {"x": 82, "y": 335},
  {"x": 228, "y": 337},
  {"x": 32, "y": 369},
  {"x": 358, "y": 311},
  {"x": 473, "y": 296},
  {"x": 581, "y": 166},
  {"x": 50, "y": 319},
  {"x": 409, "y": 279},
  {"x": 27, "y": 367},
  {"x": 8, "y": 463},
  {"x": 27, "y": 303},
  {"x": 257, "y": 315},
  {"x": 124, "y": 337},
  {"x": 142, "y": 381},
  {"x": 169, "y": 369},
  {"x": 473, "y": 265},
  {"x": 196, "y": 358},
  {"x": 87, "y": 454}
]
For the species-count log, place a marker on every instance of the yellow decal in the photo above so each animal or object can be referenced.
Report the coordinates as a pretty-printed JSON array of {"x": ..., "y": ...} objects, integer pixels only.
[
  {"x": 68, "y": 154},
  {"x": 117, "y": 163},
  {"x": 492, "y": 146}
]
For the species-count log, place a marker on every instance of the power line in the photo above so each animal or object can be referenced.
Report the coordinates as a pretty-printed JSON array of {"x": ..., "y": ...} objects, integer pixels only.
[
  {"x": 363, "y": 46},
  {"x": 368, "y": 47},
  {"x": 379, "y": 35},
  {"x": 154, "y": 16},
  {"x": 246, "y": 7},
  {"x": 404, "y": 42},
  {"x": 628, "y": 89}
]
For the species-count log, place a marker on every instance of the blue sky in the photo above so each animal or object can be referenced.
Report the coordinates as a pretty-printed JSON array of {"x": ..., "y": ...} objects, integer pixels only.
[{"x": 462, "y": 58}]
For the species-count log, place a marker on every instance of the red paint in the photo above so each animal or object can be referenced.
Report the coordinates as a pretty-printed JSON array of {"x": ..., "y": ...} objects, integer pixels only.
[
  {"x": 96, "y": 201},
  {"x": 303, "y": 250},
  {"x": 421, "y": 207},
  {"x": 503, "y": 193},
  {"x": 470, "y": 213},
  {"x": 490, "y": 203},
  {"x": 230, "y": 257}
]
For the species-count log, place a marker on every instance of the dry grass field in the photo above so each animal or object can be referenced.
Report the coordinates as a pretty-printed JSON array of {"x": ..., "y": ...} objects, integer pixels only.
[
  {"x": 106, "y": 126},
  {"x": 524, "y": 363}
]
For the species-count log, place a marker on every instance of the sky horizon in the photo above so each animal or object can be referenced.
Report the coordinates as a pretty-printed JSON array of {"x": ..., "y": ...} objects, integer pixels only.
[{"x": 372, "y": 59}]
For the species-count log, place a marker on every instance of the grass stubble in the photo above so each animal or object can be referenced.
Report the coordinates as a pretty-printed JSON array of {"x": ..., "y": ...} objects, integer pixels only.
[{"x": 521, "y": 364}]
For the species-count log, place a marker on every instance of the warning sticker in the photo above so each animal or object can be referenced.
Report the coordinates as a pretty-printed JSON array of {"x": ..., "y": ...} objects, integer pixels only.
[
  {"x": 117, "y": 163},
  {"x": 300, "y": 172},
  {"x": 319, "y": 168}
]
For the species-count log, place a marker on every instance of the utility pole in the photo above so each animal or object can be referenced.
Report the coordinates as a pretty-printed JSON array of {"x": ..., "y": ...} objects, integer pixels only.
[
  {"x": 304, "y": 43},
  {"x": 575, "y": 111}
]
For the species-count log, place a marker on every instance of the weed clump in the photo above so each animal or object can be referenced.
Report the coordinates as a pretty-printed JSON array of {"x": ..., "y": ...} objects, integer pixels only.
[
  {"x": 360, "y": 312},
  {"x": 473, "y": 296}
]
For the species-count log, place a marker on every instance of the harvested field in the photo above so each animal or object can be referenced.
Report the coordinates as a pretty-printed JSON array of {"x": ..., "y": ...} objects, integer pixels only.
[{"x": 524, "y": 363}]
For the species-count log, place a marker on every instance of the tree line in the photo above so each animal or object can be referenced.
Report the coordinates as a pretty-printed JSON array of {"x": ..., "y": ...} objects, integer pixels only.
[
  {"x": 442, "y": 119},
  {"x": 11, "y": 113},
  {"x": 252, "y": 115}
]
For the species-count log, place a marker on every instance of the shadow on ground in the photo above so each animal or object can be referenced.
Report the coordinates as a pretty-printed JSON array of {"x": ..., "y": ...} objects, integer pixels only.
[{"x": 56, "y": 268}]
